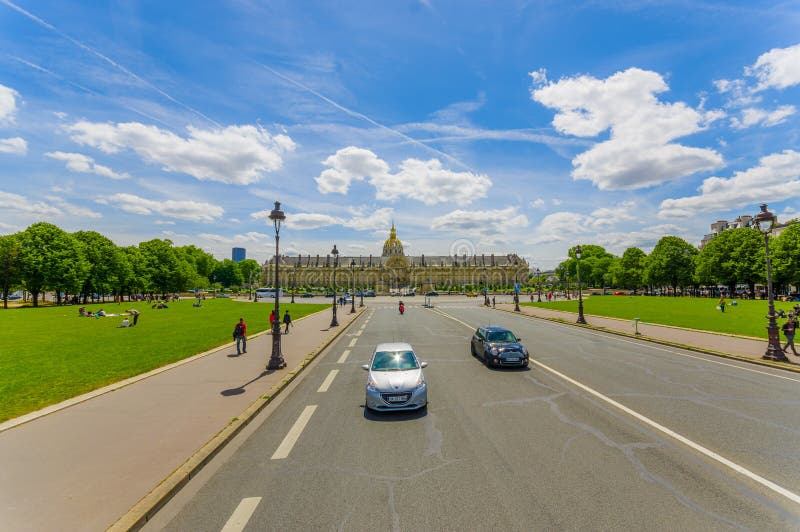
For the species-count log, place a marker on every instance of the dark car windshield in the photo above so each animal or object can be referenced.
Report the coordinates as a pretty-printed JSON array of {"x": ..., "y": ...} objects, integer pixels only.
[
  {"x": 394, "y": 361},
  {"x": 501, "y": 337}
]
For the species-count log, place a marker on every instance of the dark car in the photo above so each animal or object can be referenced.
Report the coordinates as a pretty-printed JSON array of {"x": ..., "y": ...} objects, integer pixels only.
[
  {"x": 432, "y": 293},
  {"x": 369, "y": 293},
  {"x": 307, "y": 294},
  {"x": 329, "y": 294},
  {"x": 497, "y": 346}
]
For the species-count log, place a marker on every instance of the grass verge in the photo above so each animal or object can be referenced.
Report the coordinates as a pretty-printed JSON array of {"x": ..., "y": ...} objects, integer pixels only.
[{"x": 51, "y": 354}]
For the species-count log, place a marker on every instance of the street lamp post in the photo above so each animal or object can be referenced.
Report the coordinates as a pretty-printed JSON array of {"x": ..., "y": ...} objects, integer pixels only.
[
  {"x": 250, "y": 283},
  {"x": 294, "y": 281},
  {"x": 276, "y": 359},
  {"x": 581, "y": 319},
  {"x": 765, "y": 221},
  {"x": 335, "y": 253},
  {"x": 538, "y": 285},
  {"x": 352, "y": 286},
  {"x": 361, "y": 303}
]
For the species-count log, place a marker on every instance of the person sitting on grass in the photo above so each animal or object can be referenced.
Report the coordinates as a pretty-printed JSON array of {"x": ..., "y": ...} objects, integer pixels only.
[
  {"x": 100, "y": 313},
  {"x": 125, "y": 323},
  {"x": 82, "y": 312}
]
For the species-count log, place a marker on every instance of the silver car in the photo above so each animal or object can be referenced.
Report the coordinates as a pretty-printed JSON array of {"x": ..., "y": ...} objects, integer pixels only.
[{"x": 395, "y": 380}]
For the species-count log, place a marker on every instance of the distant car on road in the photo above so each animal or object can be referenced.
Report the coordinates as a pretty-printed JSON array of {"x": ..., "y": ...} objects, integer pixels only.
[
  {"x": 497, "y": 346},
  {"x": 409, "y": 294},
  {"x": 307, "y": 294},
  {"x": 395, "y": 380},
  {"x": 329, "y": 294},
  {"x": 432, "y": 293},
  {"x": 472, "y": 294},
  {"x": 222, "y": 295}
]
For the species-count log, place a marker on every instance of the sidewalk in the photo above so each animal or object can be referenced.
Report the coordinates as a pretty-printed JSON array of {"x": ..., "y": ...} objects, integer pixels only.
[
  {"x": 83, "y": 467},
  {"x": 717, "y": 343}
]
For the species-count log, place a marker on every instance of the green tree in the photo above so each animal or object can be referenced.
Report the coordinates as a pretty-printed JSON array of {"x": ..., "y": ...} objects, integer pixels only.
[
  {"x": 100, "y": 253},
  {"x": 671, "y": 263},
  {"x": 248, "y": 267},
  {"x": 735, "y": 256},
  {"x": 10, "y": 265},
  {"x": 784, "y": 253},
  {"x": 228, "y": 274},
  {"x": 51, "y": 259},
  {"x": 631, "y": 267},
  {"x": 167, "y": 270}
]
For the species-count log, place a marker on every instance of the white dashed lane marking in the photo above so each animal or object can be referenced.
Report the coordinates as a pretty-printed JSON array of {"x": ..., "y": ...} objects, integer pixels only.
[
  {"x": 328, "y": 380},
  {"x": 343, "y": 357},
  {"x": 353, "y": 342},
  {"x": 294, "y": 433},
  {"x": 241, "y": 515}
]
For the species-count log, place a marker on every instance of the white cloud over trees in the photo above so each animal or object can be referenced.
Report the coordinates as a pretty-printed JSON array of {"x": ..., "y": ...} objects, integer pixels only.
[{"x": 78, "y": 162}]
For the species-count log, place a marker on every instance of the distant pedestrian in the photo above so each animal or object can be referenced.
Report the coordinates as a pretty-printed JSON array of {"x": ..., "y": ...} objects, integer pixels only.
[
  {"x": 789, "y": 329},
  {"x": 272, "y": 318},
  {"x": 287, "y": 320},
  {"x": 135, "y": 314},
  {"x": 722, "y": 304},
  {"x": 240, "y": 335},
  {"x": 493, "y": 302}
]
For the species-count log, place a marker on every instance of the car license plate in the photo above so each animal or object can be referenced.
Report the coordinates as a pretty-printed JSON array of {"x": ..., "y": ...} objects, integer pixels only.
[
  {"x": 398, "y": 398},
  {"x": 512, "y": 359}
]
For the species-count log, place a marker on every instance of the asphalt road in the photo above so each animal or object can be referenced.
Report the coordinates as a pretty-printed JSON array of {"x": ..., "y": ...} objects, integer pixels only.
[{"x": 602, "y": 432}]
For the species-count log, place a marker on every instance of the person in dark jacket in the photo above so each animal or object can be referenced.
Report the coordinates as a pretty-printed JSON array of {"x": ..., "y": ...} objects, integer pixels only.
[
  {"x": 287, "y": 321},
  {"x": 240, "y": 335}
]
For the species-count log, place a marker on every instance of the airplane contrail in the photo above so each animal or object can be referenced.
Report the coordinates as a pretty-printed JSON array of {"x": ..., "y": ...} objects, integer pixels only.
[
  {"x": 364, "y": 117},
  {"x": 93, "y": 92},
  {"x": 104, "y": 58}
]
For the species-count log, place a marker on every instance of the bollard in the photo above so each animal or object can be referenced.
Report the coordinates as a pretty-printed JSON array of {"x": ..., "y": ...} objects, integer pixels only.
[{"x": 636, "y": 325}]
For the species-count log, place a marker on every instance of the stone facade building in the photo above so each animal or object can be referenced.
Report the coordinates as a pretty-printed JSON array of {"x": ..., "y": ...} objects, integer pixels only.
[{"x": 393, "y": 270}]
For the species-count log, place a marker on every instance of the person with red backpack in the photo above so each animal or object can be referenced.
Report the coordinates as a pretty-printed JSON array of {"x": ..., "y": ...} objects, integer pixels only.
[{"x": 240, "y": 335}]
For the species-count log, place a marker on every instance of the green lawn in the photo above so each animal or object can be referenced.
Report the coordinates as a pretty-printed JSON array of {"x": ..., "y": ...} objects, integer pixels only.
[
  {"x": 50, "y": 354},
  {"x": 747, "y": 318}
]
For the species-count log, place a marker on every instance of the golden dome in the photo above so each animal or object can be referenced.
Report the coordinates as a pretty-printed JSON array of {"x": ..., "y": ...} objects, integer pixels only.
[{"x": 392, "y": 246}]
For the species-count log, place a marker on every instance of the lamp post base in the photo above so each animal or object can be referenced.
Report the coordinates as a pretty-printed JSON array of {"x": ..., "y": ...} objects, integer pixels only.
[
  {"x": 276, "y": 360},
  {"x": 774, "y": 351}
]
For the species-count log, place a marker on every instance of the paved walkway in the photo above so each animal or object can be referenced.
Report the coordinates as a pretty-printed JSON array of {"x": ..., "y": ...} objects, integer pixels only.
[
  {"x": 82, "y": 467},
  {"x": 737, "y": 346}
]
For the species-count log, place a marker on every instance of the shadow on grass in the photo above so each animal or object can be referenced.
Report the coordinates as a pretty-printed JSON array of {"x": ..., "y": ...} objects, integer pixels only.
[{"x": 241, "y": 389}]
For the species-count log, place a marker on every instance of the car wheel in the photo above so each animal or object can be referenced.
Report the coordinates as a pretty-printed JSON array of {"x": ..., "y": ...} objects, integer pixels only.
[
  {"x": 487, "y": 361},
  {"x": 472, "y": 349}
]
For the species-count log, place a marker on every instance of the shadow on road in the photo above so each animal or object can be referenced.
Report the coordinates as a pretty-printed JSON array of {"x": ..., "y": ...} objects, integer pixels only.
[
  {"x": 394, "y": 416},
  {"x": 241, "y": 389}
]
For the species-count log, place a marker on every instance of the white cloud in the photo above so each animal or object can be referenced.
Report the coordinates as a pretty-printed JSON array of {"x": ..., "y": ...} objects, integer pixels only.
[
  {"x": 425, "y": 181},
  {"x": 538, "y": 203},
  {"x": 486, "y": 223},
  {"x": 73, "y": 210},
  {"x": 8, "y": 104},
  {"x": 557, "y": 202},
  {"x": 565, "y": 226},
  {"x": 428, "y": 182},
  {"x": 183, "y": 210},
  {"x": 646, "y": 238},
  {"x": 777, "y": 69},
  {"x": 236, "y": 154},
  {"x": 776, "y": 178},
  {"x": 15, "y": 145},
  {"x": 307, "y": 220},
  {"x": 380, "y": 219},
  {"x": 10, "y": 202},
  {"x": 754, "y": 116},
  {"x": 640, "y": 151},
  {"x": 538, "y": 77},
  {"x": 246, "y": 238},
  {"x": 78, "y": 162},
  {"x": 302, "y": 221},
  {"x": 347, "y": 165},
  {"x": 164, "y": 222}
]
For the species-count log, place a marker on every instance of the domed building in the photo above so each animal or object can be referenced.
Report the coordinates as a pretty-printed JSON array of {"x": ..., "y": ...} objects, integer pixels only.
[{"x": 393, "y": 271}]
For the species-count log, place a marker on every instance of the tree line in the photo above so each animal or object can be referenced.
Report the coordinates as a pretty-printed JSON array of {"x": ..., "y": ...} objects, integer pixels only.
[
  {"x": 44, "y": 258},
  {"x": 733, "y": 257}
]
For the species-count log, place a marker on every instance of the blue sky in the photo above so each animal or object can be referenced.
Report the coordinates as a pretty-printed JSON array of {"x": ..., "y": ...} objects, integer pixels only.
[{"x": 485, "y": 127}]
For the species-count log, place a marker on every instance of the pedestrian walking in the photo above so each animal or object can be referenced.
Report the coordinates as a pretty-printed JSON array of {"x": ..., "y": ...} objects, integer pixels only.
[
  {"x": 240, "y": 335},
  {"x": 722, "y": 304},
  {"x": 789, "y": 329},
  {"x": 493, "y": 302},
  {"x": 272, "y": 318},
  {"x": 287, "y": 321}
]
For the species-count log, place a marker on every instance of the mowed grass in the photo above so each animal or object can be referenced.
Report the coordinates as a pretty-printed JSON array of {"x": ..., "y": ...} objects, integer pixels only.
[
  {"x": 747, "y": 318},
  {"x": 51, "y": 354}
]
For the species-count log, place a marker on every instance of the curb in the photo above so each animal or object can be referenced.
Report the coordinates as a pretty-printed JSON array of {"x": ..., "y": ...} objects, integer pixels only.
[
  {"x": 52, "y": 409},
  {"x": 759, "y": 362},
  {"x": 151, "y": 503}
]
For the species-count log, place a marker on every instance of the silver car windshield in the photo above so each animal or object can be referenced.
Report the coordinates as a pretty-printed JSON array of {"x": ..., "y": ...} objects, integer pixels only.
[
  {"x": 394, "y": 361},
  {"x": 502, "y": 336}
]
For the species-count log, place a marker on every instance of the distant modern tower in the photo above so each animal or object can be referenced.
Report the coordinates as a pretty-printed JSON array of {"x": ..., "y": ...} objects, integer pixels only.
[{"x": 239, "y": 254}]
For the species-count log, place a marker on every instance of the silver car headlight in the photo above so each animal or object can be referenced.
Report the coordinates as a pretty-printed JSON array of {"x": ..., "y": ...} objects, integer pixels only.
[
  {"x": 371, "y": 386},
  {"x": 494, "y": 350},
  {"x": 420, "y": 382}
]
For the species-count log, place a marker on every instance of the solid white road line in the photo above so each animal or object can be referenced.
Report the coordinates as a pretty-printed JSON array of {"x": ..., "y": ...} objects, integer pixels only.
[
  {"x": 358, "y": 333},
  {"x": 353, "y": 342},
  {"x": 241, "y": 515},
  {"x": 327, "y": 382},
  {"x": 294, "y": 433},
  {"x": 794, "y": 497},
  {"x": 343, "y": 357}
]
